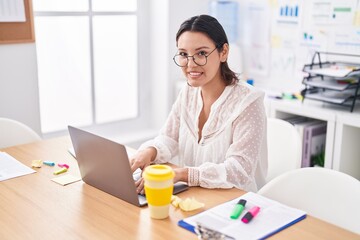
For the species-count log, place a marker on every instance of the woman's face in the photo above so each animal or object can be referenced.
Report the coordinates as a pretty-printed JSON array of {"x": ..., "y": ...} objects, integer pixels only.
[{"x": 196, "y": 43}]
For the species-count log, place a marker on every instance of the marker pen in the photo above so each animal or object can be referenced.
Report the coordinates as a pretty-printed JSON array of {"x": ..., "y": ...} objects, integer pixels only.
[
  {"x": 62, "y": 170},
  {"x": 51, "y": 164},
  {"x": 239, "y": 207},
  {"x": 250, "y": 214},
  {"x": 62, "y": 165}
]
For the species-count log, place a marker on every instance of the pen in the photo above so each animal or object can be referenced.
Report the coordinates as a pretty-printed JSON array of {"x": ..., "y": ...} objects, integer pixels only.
[
  {"x": 49, "y": 163},
  {"x": 250, "y": 214},
  {"x": 62, "y": 165},
  {"x": 239, "y": 207},
  {"x": 62, "y": 170}
]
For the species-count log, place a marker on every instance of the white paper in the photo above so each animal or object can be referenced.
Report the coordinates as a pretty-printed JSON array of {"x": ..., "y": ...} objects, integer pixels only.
[
  {"x": 332, "y": 72},
  {"x": 272, "y": 217},
  {"x": 11, "y": 168},
  {"x": 12, "y": 11}
]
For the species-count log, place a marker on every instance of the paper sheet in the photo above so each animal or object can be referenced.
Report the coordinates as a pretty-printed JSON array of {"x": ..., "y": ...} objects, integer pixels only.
[
  {"x": 12, "y": 11},
  {"x": 11, "y": 168},
  {"x": 66, "y": 179}
]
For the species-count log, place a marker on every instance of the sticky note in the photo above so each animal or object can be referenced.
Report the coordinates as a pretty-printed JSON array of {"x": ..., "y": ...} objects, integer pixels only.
[
  {"x": 189, "y": 204},
  {"x": 66, "y": 179},
  {"x": 36, "y": 163},
  {"x": 175, "y": 200}
]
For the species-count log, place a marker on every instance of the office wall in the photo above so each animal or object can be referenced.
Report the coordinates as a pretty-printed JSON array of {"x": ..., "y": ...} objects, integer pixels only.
[
  {"x": 279, "y": 37},
  {"x": 19, "y": 93},
  {"x": 272, "y": 48}
]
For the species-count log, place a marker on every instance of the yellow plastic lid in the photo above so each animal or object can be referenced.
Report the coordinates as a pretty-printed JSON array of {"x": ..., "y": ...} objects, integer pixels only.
[{"x": 158, "y": 173}]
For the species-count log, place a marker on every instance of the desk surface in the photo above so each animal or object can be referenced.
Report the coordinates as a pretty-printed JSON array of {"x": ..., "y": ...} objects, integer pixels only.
[{"x": 34, "y": 207}]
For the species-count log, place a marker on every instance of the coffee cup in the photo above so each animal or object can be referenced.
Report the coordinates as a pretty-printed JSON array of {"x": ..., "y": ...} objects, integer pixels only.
[{"x": 158, "y": 189}]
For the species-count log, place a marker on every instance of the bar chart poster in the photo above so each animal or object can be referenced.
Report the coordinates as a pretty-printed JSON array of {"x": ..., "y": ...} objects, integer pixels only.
[{"x": 288, "y": 12}]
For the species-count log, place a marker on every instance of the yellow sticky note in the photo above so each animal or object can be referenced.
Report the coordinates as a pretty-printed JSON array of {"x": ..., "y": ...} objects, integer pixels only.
[
  {"x": 36, "y": 163},
  {"x": 190, "y": 204},
  {"x": 273, "y": 3},
  {"x": 357, "y": 18},
  {"x": 175, "y": 200},
  {"x": 66, "y": 179},
  {"x": 276, "y": 41}
]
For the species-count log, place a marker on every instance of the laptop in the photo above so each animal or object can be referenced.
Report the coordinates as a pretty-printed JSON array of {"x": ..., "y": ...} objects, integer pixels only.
[{"x": 105, "y": 165}]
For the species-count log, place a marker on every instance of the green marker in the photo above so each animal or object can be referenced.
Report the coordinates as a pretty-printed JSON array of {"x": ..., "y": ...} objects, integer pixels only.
[{"x": 239, "y": 207}]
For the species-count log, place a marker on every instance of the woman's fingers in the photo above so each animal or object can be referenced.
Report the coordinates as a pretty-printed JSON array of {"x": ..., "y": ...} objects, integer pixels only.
[{"x": 140, "y": 186}]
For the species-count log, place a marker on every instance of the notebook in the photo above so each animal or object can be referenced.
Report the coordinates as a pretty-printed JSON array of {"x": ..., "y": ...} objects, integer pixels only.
[{"x": 104, "y": 164}]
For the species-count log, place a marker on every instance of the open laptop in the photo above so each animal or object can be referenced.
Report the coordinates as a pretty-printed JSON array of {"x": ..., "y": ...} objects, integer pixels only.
[{"x": 105, "y": 165}]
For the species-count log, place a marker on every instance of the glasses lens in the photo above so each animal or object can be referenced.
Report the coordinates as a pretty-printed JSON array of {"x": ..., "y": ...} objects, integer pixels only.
[
  {"x": 200, "y": 59},
  {"x": 180, "y": 60}
]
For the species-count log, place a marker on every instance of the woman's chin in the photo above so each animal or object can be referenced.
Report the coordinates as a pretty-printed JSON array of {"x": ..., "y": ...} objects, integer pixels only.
[{"x": 193, "y": 83}]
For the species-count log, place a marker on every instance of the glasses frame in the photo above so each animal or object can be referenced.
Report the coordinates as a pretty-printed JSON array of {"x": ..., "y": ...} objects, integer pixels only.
[{"x": 193, "y": 58}]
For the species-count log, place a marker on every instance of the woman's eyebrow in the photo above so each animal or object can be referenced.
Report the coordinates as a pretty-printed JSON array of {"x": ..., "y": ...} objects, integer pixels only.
[{"x": 196, "y": 49}]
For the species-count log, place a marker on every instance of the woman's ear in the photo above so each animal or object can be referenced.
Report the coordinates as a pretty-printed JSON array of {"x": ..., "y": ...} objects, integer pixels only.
[{"x": 224, "y": 53}]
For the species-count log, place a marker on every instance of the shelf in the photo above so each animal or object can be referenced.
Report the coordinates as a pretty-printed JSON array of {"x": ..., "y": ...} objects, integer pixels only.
[
  {"x": 333, "y": 69},
  {"x": 343, "y": 130},
  {"x": 332, "y": 96},
  {"x": 332, "y": 82}
]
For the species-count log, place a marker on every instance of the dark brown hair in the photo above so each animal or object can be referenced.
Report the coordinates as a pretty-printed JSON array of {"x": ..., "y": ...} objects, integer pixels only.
[{"x": 213, "y": 29}]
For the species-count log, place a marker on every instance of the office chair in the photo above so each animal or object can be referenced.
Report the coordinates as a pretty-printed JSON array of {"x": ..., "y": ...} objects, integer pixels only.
[
  {"x": 14, "y": 133},
  {"x": 284, "y": 147},
  {"x": 323, "y": 193}
]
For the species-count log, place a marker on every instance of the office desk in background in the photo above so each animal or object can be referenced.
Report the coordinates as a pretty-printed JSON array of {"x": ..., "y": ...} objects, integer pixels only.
[{"x": 34, "y": 207}]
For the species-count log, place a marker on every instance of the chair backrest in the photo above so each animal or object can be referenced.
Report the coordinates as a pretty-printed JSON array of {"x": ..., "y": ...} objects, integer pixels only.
[
  {"x": 323, "y": 193},
  {"x": 284, "y": 147},
  {"x": 14, "y": 133}
]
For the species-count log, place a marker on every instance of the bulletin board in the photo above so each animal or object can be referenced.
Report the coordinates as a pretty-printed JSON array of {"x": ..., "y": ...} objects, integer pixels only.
[{"x": 19, "y": 32}]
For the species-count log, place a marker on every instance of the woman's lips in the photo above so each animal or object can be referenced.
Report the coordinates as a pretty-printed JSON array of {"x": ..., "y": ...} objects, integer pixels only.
[{"x": 195, "y": 74}]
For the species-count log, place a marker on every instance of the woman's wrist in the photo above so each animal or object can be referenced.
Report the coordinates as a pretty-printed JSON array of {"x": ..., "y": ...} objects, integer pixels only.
[
  {"x": 181, "y": 174},
  {"x": 152, "y": 152}
]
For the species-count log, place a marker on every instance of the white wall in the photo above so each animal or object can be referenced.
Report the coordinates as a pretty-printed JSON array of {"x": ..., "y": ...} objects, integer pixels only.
[
  {"x": 179, "y": 12},
  {"x": 19, "y": 93},
  {"x": 19, "y": 98}
]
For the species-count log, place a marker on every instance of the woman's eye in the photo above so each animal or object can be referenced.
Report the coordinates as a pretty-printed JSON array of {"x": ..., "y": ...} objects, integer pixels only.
[
  {"x": 183, "y": 54},
  {"x": 202, "y": 53}
]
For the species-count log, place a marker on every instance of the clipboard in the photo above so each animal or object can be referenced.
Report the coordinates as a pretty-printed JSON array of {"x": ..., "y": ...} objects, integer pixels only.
[{"x": 272, "y": 218}]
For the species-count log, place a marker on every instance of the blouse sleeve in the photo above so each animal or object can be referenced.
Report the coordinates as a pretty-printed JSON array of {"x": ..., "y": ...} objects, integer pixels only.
[
  {"x": 242, "y": 157},
  {"x": 166, "y": 143}
]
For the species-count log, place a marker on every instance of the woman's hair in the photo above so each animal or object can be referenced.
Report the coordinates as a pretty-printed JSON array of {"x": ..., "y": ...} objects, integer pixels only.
[{"x": 213, "y": 29}]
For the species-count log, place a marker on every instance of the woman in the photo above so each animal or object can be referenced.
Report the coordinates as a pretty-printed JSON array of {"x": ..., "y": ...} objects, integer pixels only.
[{"x": 217, "y": 126}]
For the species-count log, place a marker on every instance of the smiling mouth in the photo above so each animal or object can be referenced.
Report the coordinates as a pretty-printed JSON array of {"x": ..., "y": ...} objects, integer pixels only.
[{"x": 194, "y": 74}]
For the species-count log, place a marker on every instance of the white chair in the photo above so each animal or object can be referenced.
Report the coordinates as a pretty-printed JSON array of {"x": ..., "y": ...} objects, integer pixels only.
[
  {"x": 14, "y": 133},
  {"x": 284, "y": 147},
  {"x": 323, "y": 193}
]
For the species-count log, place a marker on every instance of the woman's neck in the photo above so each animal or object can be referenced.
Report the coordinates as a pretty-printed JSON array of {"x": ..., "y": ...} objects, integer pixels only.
[{"x": 210, "y": 93}]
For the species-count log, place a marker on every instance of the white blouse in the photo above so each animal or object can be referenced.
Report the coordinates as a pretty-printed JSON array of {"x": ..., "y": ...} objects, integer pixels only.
[{"x": 232, "y": 151}]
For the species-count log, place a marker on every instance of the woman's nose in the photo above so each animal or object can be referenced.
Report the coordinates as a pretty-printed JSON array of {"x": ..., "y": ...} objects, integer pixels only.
[{"x": 191, "y": 62}]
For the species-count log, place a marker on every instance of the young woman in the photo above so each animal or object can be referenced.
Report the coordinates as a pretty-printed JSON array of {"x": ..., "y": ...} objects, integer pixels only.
[{"x": 217, "y": 126}]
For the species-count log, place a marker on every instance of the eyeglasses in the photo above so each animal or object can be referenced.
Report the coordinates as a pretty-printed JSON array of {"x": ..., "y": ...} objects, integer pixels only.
[{"x": 199, "y": 59}]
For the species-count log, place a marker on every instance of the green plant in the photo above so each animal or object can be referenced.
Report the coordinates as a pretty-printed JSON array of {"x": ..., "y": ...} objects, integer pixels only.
[{"x": 318, "y": 160}]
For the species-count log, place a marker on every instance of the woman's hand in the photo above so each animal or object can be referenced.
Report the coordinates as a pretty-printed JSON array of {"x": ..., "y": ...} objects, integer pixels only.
[{"x": 141, "y": 160}]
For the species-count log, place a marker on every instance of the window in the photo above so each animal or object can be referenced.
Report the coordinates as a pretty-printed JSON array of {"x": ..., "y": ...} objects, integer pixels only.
[{"x": 87, "y": 52}]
